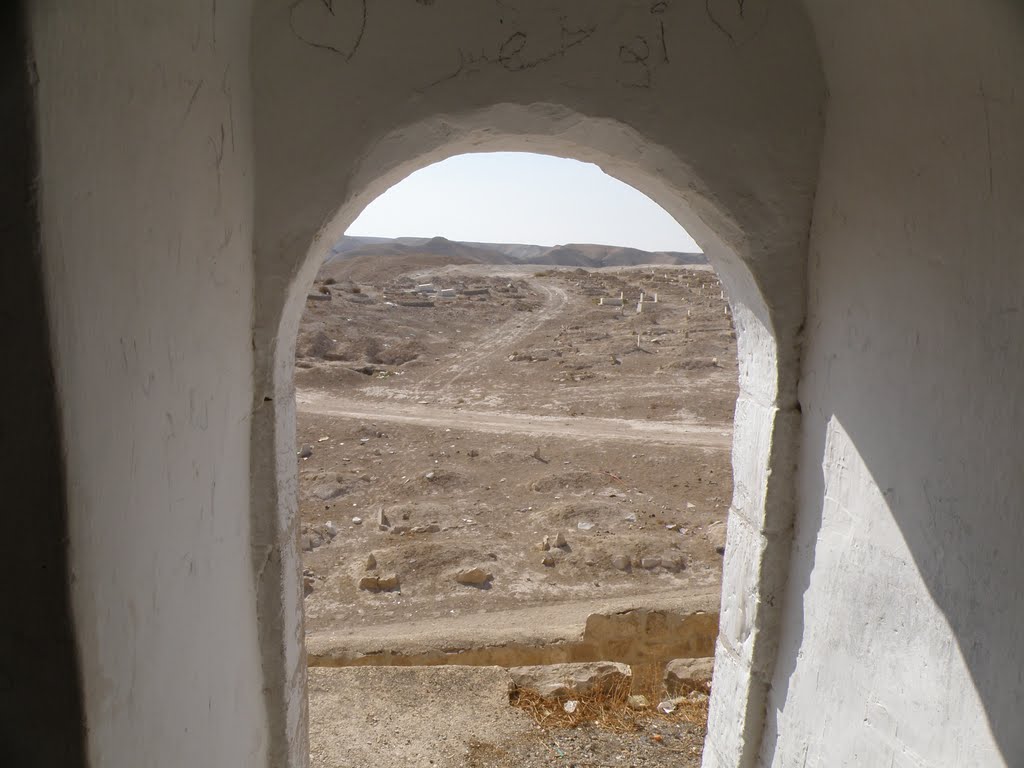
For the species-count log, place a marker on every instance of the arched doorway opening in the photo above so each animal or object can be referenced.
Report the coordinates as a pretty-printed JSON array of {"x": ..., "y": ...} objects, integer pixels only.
[
  {"x": 764, "y": 433},
  {"x": 493, "y": 436}
]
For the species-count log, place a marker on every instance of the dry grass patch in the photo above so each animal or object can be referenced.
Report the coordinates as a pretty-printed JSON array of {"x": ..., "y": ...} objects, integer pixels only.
[{"x": 610, "y": 710}]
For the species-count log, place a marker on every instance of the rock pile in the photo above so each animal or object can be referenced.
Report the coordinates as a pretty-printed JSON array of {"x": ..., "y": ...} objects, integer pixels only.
[
  {"x": 561, "y": 681},
  {"x": 379, "y": 583}
]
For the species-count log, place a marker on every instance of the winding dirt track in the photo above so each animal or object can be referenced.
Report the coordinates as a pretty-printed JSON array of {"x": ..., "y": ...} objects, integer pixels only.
[
  {"x": 499, "y": 340},
  {"x": 498, "y": 422}
]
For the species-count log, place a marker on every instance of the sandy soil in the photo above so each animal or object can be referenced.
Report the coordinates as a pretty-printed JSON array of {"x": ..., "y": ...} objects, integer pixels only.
[
  {"x": 389, "y": 716},
  {"x": 481, "y": 425}
]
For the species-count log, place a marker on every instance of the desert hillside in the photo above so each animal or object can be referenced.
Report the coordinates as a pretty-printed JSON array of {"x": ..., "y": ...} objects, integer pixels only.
[{"x": 569, "y": 255}]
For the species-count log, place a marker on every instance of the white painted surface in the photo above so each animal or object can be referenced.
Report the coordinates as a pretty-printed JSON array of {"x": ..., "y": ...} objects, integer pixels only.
[
  {"x": 179, "y": 259},
  {"x": 146, "y": 216},
  {"x": 904, "y": 616}
]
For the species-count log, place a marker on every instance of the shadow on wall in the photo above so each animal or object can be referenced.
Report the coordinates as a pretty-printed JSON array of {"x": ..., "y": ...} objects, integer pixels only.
[
  {"x": 41, "y": 721},
  {"x": 915, "y": 447}
]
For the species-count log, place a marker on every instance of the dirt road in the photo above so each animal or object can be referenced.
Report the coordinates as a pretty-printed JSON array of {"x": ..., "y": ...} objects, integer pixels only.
[
  {"x": 500, "y": 340},
  {"x": 496, "y": 422},
  {"x": 553, "y": 624}
]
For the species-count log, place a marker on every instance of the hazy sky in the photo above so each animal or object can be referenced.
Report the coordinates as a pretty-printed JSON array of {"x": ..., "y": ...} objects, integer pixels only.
[{"x": 515, "y": 197}]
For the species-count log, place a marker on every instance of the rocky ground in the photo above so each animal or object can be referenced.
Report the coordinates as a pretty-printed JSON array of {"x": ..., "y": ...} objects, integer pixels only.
[
  {"x": 517, "y": 445},
  {"x": 652, "y": 744},
  {"x": 473, "y": 717}
]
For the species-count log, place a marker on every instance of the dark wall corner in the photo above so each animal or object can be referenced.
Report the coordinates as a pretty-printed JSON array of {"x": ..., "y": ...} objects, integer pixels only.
[{"x": 41, "y": 715}]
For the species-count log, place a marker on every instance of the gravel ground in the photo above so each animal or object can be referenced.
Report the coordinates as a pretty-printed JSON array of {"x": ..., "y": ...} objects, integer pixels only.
[
  {"x": 459, "y": 717},
  {"x": 655, "y": 741},
  {"x": 589, "y": 747}
]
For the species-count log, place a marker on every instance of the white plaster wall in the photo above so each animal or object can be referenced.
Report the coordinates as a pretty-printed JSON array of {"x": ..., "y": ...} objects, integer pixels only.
[
  {"x": 903, "y": 610},
  {"x": 145, "y": 207},
  {"x": 904, "y": 616}
]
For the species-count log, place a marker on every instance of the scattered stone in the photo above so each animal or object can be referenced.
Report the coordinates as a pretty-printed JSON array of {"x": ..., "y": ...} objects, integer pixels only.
[
  {"x": 638, "y": 702},
  {"x": 650, "y": 563},
  {"x": 323, "y": 439},
  {"x": 570, "y": 706},
  {"x": 432, "y": 528},
  {"x": 379, "y": 583},
  {"x": 631, "y": 517},
  {"x": 307, "y": 543},
  {"x": 683, "y": 676},
  {"x": 308, "y": 584},
  {"x": 667, "y": 707},
  {"x": 371, "y": 562},
  {"x": 430, "y": 475},
  {"x": 305, "y": 451},
  {"x": 545, "y": 544},
  {"x": 620, "y": 562},
  {"x": 330, "y": 529},
  {"x": 473, "y": 576},
  {"x": 388, "y": 582},
  {"x": 560, "y": 540},
  {"x": 400, "y": 529},
  {"x": 572, "y": 680},
  {"x": 328, "y": 491},
  {"x": 382, "y": 520},
  {"x": 673, "y": 562},
  {"x": 369, "y": 583},
  {"x": 585, "y": 525},
  {"x": 548, "y": 561},
  {"x": 472, "y": 453},
  {"x": 357, "y": 521}
]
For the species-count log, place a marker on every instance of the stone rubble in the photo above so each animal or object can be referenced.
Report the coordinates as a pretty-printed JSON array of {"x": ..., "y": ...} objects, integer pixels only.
[
  {"x": 683, "y": 676},
  {"x": 572, "y": 680},
  {"x": 379, "y": 583},
  {"x": 473, "y": 577}
]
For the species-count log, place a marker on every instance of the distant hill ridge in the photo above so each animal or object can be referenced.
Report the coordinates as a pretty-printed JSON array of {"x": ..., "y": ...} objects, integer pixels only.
[{"x": 571, "y": 255}]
